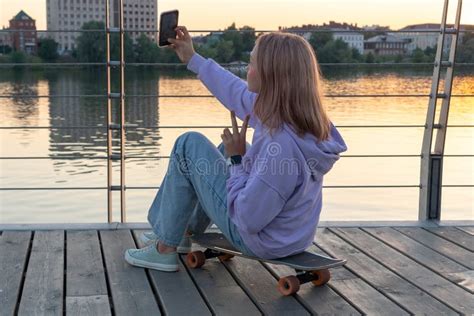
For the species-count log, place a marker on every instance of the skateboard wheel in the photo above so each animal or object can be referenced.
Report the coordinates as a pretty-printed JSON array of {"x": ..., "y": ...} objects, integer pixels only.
[
  {"x": 225, "y": 257},
  {"x": 288, "y": 285},
  {"x": 195, "y": 259},
  {"x": 322, "y": 277}
]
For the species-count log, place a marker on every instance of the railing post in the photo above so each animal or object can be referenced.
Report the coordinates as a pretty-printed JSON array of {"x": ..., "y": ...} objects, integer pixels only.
[
  {"x": 431, "y": 171},
  {"x": 111, "y": 126}
]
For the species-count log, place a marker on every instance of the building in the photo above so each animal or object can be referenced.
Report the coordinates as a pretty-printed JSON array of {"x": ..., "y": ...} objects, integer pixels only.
[
  {"x": 386, "y": 45},
  {"x": 353, "y": 39},
  {"x": 343, "y": 31},
  {"x": 23, "y": 34},
  {"x": 70, "y": 15},
  {"x": 426, "y": 35},
  {"x": 5, "y": 41}
]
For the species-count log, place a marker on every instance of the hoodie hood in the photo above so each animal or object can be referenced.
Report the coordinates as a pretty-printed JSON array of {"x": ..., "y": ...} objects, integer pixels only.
[{"x": 320, "y": 157}]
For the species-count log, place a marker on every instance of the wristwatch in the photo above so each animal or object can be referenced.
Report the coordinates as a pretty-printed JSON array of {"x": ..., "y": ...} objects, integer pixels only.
[{"x": 234, "y": 160}]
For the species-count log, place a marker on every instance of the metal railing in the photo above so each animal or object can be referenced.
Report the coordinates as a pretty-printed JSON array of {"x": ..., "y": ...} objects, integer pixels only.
[{"x": 122, "y": 127}]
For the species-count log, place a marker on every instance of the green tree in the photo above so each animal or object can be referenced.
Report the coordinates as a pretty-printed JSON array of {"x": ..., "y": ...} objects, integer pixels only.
[
  {"x": 370, "y": 58},
  {"x": 318, "y": 40},
  {"x": 17, "y": 57},
  {"x": 465, "y": 52},
  {"x": 5, "y": 49},
  {"x": 418, "y": 56},
  {"x": 231, "y": 35},
  {"x": 91, "y": 46},
  {"x": 336, "y": 51},
  {"x": 146, "y": 51},
  {"x": 225, "y": 51},
  {"x": 48, "y": 49}
]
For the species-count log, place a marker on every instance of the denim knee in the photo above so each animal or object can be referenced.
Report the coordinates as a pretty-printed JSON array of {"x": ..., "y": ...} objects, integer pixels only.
[{"x": 187, "y": 138}]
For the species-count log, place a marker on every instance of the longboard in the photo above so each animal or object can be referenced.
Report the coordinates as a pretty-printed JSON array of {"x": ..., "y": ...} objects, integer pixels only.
[{"x": 308, "y": 266}]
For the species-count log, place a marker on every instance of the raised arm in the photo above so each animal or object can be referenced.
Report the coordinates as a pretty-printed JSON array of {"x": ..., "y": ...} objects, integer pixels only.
[{"x": 228, "y": 88}]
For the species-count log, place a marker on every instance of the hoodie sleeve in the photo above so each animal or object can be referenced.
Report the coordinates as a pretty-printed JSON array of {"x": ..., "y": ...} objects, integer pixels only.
[
  {"x": 229, "y": 89},
  {"x": 255, "y": 199}
]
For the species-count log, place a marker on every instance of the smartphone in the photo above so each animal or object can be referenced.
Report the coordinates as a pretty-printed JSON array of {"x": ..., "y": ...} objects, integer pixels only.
[{"x": 168, "y": 22}]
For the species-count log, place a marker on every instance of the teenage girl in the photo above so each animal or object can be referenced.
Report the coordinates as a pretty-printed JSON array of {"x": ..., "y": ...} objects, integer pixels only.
[{"x": 265, "y": 198}]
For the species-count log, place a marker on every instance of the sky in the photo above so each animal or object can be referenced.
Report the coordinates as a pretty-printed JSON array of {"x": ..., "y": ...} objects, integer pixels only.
[{"x": 269, "y": 14}]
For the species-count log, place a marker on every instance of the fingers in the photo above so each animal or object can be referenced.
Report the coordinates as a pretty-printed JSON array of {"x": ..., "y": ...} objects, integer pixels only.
[
  {"x": 235, "y": 128},
  {"x": 245, "y": 125},
  {"x": 227, "y": 133},
  {"x": 184, "y": 30}
]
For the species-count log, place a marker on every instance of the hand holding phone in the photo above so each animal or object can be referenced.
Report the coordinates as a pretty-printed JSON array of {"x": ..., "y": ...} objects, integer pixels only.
[{"x": 182, "y": 44}]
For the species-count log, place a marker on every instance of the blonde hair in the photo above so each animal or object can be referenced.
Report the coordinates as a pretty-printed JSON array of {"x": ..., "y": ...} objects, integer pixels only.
[{"x": 290, "y": 85}]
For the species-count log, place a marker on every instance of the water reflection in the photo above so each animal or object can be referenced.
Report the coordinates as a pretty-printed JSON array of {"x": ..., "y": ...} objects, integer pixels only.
[{"x": 146, "y": 112}]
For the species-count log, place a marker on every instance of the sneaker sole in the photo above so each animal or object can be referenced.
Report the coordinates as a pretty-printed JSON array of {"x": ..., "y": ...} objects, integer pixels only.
[
  {"x": 181, "y": 250},
  {"x": 146, "y": 264}
]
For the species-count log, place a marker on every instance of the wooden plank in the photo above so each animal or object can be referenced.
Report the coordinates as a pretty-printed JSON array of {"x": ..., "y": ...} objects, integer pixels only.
[
  {"x": 176, "y": 288},
  {"x": 385, "y": 281},
  {"x": 85, "y": 274},
  {"x": 97, "y": 305},
  {"x": 131, "y": 292},
  {"x": 441, "y": 245},
  {"x": 454, "y": 235},
  {"x": 13, "y": 254},
  {"x": 262, "y": 287},
  {"x": 467, "y": 229},
  {"x": 427, "y": 257},
  {"x": 43, "y": 287},
  {"x": 437, "y": 286},
  {"x": 320, "y": 300},
  {"x": 222, "y": 293}
]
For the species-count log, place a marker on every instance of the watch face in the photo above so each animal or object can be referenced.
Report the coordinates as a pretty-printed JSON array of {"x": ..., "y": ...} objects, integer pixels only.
[{"x": 236, "y": 159}]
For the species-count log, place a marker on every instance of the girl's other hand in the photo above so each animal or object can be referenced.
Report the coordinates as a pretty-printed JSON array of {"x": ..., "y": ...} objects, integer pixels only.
[
  {"x": 235, "y": 144},
  {"x": 182, "y": 44}
]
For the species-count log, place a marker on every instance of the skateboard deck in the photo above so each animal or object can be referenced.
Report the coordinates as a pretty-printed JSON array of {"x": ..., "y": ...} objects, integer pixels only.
[{"x": 305, "y": 261}]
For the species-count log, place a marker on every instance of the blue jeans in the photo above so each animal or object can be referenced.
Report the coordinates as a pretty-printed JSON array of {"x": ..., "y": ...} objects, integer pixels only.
[{"x": 193, "y": 193}]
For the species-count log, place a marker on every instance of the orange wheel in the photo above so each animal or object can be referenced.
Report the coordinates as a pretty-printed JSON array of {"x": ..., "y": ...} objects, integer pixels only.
[
  {"x": 195, "y": 259},
  {"x": 288, "y": 285},
  {"x": 226, "y": 257},
  {"x": 323, "y": 277}
]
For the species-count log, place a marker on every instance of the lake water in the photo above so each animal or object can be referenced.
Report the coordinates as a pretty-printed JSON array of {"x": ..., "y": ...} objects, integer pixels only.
[{"x": 81, "y": 206}]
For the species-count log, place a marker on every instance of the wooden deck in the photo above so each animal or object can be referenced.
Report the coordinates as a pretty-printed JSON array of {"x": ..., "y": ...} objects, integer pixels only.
[{"x": 389, "y": 271}]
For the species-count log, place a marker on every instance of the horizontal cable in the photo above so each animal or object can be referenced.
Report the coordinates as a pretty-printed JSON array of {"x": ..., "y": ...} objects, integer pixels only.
[
  {"x": 174, "y": 65},
  {"x": 239, "y": 31},
  {"x": 157, "y": 187},
  {"x": 457, "y": 185},
  {"x": 13, "y": 96},
  {"x": 207, "y": 126},
  {"x": 200, "y": 127},
  {"x": 210, "y": 127},
  {"x": 167, "y": 157}
]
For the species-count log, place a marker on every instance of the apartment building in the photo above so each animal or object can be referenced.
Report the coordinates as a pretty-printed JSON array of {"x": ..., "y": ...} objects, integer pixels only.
[{"x": 68, "y": 15}]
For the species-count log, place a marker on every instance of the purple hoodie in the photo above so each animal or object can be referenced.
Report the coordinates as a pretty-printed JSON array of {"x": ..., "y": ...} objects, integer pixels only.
[{"x": 274, "y": 197}]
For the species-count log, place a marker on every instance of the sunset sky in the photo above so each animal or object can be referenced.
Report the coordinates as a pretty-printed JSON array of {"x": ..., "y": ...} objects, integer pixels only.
[{"x": 269, "y": 14}]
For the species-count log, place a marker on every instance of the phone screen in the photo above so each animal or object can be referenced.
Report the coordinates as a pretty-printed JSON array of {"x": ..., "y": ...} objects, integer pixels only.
[{"x": 168, "y": 22}]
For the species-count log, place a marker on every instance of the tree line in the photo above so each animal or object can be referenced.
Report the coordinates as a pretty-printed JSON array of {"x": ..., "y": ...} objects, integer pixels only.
[{"x": 231, "y": 45}]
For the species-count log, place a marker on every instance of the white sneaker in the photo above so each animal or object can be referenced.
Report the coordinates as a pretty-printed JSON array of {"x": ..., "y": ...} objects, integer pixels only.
[
  {"x": 149, "y": 257},
  {"x": 184, "y": 247}
]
